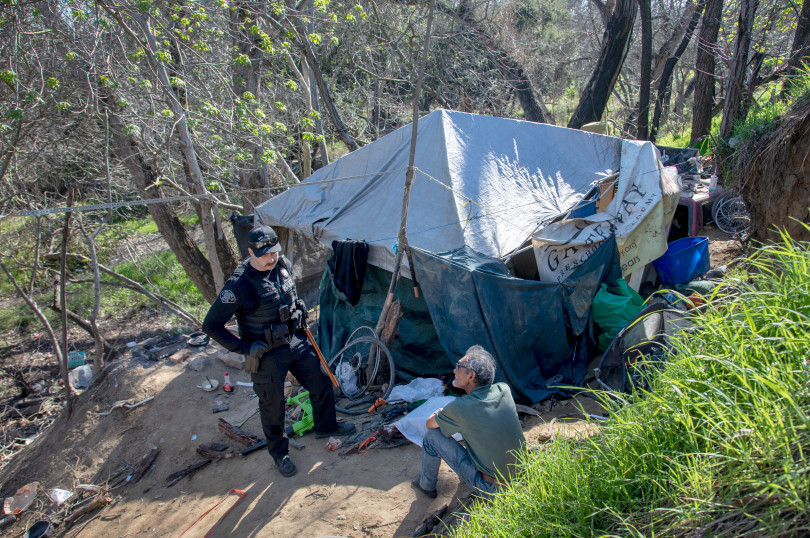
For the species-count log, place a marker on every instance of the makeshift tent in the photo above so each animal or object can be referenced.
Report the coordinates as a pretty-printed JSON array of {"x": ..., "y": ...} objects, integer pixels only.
[{"x": 483, "y": 186}]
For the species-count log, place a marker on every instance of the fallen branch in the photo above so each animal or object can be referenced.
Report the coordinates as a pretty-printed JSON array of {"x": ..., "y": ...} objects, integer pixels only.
[
  {"x": 145, "y": 464},
  {"x": 165, "y": 303},
  {"x": 215, "y": 451},
  {"x": 238, "y": 434},
  {"x": 98, "y": 502},
  {"x": 129, "y": 404},
  {"x": 173, "y": 478},
  {"x": 430, "y": 522}
]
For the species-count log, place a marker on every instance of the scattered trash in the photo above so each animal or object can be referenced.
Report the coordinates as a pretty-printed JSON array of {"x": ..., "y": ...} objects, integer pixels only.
[
  {"x": 6, "y": 521},
  {"x": 75, "y": 359},
  {"x": 173, "y": 478},
  {"x": 198, "y": 339},
  {"x": 22, "y": 499},
  {"x": 131, "y": 344},
  {"x": 210, "y": 386},
  {"x": 216, "y": 410},
  {"x": 348, "y": 378},
  {"x": 81, "y": 377},
  {"x": 194, "y": 437},
  {"x": 40, "y": 529},
  {"x": 333, "y": 444},
  {"x": 420, "y": 388},
  {"x": 60, "y": 495},
  {"x": 216, "y": 451},
  {"x": 379, "y": 402},
  {"x": 244, "y": 383}
]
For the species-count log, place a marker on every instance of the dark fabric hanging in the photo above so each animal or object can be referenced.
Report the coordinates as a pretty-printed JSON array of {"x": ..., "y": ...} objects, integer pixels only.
[{"x": 350, "y": 267}]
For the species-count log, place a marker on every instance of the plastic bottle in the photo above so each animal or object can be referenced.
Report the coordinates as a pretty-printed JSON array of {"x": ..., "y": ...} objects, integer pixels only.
[{"x": 227, "y": 385}]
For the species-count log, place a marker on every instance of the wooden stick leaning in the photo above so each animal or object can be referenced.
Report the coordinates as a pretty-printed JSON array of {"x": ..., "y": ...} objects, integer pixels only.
[{"x": 320, "y": 356}]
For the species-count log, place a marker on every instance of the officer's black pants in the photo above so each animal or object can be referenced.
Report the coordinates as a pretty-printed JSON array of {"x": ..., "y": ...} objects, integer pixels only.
[{"x": 299, "y": 358}]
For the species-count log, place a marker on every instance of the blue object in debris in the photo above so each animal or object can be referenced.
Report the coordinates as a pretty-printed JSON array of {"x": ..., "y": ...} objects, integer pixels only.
[{"x": 685, "y": 259}]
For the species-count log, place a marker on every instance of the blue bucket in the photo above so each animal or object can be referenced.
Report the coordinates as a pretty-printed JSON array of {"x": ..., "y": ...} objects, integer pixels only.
[{"x": 685, "y": 259}]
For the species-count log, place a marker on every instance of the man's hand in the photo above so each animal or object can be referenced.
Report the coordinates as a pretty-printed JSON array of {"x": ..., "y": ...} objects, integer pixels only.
[
  {"x": 431, "y": 423},
  {"x": 302, "y": 307},
  {"x": 254, "y": 356},
  {"x": 297, "y": 321}
]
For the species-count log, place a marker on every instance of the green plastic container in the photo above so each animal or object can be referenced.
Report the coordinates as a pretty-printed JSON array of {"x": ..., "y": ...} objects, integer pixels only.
[{"x": 76, "y": 359}]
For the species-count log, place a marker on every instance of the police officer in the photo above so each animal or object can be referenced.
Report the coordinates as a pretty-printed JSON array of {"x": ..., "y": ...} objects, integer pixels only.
[{"x": 261, "y": 294}]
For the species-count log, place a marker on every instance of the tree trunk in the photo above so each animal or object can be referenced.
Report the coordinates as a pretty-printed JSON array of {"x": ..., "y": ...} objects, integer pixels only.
[
  {"x": 508, "y": 66},
  {"x": 704, "y": 67},
  {"x": 643, "y": 129},
  {"x": 63, "y": 303},
  {"x": 735, "y": 91},
  {"x": 800, "y": 49},
  {"x": 171, "y": 228},
  {"x": 662, "y": 96},
  {"x": 615, "y": 44},
  {"x": 186, "y": 144}
]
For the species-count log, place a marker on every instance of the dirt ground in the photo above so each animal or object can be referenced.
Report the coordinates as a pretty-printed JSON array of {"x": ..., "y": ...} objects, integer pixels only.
[{"x": 366, "y": 494}]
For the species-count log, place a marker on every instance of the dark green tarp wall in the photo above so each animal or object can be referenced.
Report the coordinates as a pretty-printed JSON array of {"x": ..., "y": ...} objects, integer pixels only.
[{"x": 535, "y": 330}]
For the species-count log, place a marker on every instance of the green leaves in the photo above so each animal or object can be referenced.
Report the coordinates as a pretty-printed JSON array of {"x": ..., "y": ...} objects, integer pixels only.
[
  {"x": 131, "y": 130},
  {"x": 9, "y": 77},
  {"x": 241, "y": 59}
]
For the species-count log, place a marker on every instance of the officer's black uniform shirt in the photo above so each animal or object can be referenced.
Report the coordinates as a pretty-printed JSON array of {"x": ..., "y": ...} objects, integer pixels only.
[{"x": 238, "y": 295}]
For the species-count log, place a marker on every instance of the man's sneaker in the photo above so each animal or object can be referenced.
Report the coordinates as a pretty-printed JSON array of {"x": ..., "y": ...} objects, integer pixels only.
[
  {"x": 285, "y": 466},
  {"x": 429, "y": 493},
  {"x": 342, "y": 430}
]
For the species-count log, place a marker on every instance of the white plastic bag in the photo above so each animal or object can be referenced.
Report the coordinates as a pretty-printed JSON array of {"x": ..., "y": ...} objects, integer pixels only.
[
  {"x": 420, "y": 388},
  {"x": 81, "y": 377},
  {"x": 412, "y": 425},
  {"x": 348, "y": 379}
]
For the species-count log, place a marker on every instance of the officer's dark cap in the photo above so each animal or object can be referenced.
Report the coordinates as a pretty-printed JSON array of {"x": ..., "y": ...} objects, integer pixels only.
[{"x": 263, "y": 239}]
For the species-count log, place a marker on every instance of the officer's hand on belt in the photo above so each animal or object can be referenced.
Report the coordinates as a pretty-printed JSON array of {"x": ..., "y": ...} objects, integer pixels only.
[
  {"x": 258, "y": 349},
  {"x": 254, "y": 356},
  {"x": 297, "y": 320}
]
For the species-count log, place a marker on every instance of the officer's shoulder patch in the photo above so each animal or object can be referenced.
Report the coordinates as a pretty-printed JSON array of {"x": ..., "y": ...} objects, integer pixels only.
[
  {"x": 227, "y": 296},
  {"x": 284, "y": 273}
]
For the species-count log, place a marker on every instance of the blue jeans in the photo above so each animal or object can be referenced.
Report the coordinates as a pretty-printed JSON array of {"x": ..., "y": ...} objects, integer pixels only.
[{"x": 435, "y": 448}]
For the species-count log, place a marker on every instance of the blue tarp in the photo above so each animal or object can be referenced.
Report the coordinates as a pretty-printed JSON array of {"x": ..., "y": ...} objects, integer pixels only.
[{"x": 535, "y": 330}]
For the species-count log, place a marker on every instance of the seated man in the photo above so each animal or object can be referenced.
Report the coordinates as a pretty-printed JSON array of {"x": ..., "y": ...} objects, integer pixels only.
[{"x": 488, "y": 422}]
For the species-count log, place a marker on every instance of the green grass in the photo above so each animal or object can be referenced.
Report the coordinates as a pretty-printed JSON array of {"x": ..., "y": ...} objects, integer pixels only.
[
  {"x": 717, "y": 447},
  {"x": 767, "y": 108},
  {"x": 160, "y": 273}
]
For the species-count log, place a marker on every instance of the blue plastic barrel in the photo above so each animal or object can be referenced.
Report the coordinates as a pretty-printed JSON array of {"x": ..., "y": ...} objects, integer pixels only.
[{"x": 685, "y": 259}]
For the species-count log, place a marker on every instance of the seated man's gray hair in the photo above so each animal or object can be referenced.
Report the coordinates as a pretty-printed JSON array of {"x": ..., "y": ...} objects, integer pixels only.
[{"x": 481, "y": 362}]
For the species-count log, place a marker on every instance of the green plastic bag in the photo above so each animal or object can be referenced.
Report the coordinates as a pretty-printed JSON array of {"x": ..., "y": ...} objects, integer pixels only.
[{"x": 613, "y": 309}]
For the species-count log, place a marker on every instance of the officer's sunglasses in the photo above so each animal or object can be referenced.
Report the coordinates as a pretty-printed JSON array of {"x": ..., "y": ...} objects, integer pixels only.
[{"x": 261, "y": 244}]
